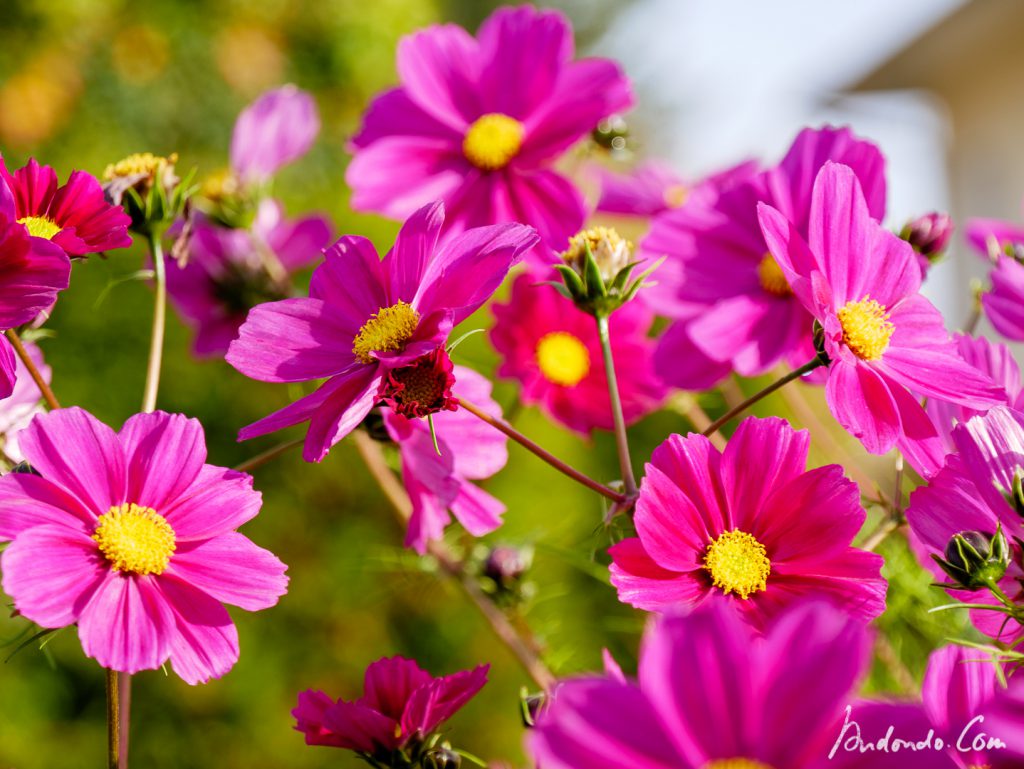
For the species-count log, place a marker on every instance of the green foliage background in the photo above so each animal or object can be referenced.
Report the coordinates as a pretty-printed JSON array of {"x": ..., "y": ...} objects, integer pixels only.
[{"x": 85, "y": 82}]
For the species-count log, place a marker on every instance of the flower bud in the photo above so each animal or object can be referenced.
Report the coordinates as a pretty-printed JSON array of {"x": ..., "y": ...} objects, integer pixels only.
[
  {"x": 441, "y": 758},
  {"x": 929, "y": 234},
  {"x": 506, "y": 564},
  {"x": 149, "y": 189},
  {"x": 531, "y": 706},
  {"x": 974, "y": 560},
  {"x": 612, "y": 134},
  {"x": 596, "y": 269}
]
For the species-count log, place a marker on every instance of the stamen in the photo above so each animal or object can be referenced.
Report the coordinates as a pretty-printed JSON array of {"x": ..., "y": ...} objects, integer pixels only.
[
  {"x": 135, "y": 539},
  {"x": 738, "y": 563},
  {"x": 563, "y": 359},
  {"x": 492, "y": 141},
  {"x": 866, "y": 328},
  {"x": 387, "y": 330},
  {"x": 40, "y": 226}
]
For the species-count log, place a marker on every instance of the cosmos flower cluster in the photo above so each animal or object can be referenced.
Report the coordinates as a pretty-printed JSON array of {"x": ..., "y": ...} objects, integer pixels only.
[{"x": 752, "y": 557}]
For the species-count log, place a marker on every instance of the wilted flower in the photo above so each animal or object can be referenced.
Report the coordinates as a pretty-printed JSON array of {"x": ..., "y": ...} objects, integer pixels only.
[{"x": 147, "y": 186}]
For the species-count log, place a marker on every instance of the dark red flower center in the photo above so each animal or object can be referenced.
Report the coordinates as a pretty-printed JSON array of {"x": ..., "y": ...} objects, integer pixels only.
[{"x": 421, "y": 388}]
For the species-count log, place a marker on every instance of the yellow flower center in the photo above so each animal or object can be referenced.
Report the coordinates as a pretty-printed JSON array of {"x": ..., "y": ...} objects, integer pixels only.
[
  {"x": 866, "y": 328},
  {"x": 563, "y": 358},
  {"x": 145, "y": 163},
  {"x": 387, "y": 330},
  {"x": 135, "y": 539},
  {"x": 40, "y": 226},
  {"x": 738, "y": 564},
  {"x": 676, "y": 195},
  {"x": 492, "y": 141},
  {"x": 735, "y": 763},
  {"x": 773, "y": 279}
]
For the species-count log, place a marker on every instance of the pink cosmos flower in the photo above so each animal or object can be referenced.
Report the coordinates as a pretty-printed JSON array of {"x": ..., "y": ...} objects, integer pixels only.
[
  {"x": 650, "y": 189},
  {"x": 229, "y": 271},
  {"x": 401, "y": 706},
  {"x": 711, "y": 694},
  {"x": 365, "y": 317},
  {"x": 733, "y": 306},
  {"x": 480, "y": 122},
  {"x": 32, "y": 272},
  {"x": 992, "y": 359},
  {"x": 275, "y": 130},
  {"x": 75, "y": 216},
  {"x": 861, "y": 283},
  {"x": 1003, "y": 243},
  {"x": 712, "y": 530},
  {"x": 439, "y": 483},
  {"x": 131, "y": 535},
  {"x": 554, "y": 351},
  {"x": 24, "y": 402},
  {"x": 971, "y": 493}
]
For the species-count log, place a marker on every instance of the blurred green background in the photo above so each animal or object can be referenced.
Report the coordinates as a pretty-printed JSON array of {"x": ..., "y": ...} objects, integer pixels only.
[{"x": 85, "y": 82}]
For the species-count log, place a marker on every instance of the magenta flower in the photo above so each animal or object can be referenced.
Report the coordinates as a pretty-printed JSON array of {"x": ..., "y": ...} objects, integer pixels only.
[
  {"x": 75, "y": 216},
  {"x": 229, "y": 271},
  {"x": 711, "y": 694},
  {"x": 131, "y": 535},
  {"x": 709, "y": 529},
  {"x": 972, "y": 492},
  {"x": 650, "y": 189},
  {"x": 439, "y": 483},
  {"x": 32, "y": 272},
  {"x": 1003, "y": 303},
  {"x": 24, "y": 402},
  {"x": 887, "y": 345},
  {"x": 734, "y": 308},
  {"x": 365, "y": 317},
  {"x": 481, "y": 122},
  {"x": 553, "y": 349},
  {"x": 275, "y": 130},
  {"x": 996, "y": 362},
  {"x": 401, "y": 706}
]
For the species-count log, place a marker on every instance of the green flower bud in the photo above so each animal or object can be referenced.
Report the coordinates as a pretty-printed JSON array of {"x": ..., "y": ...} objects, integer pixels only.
[
  {"x": 441, "y": 758},
  {"x": 975, "y": 560}
]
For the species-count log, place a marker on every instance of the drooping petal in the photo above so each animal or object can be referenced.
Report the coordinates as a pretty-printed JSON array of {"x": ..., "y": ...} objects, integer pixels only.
[
  {"x": 862, "y": 403},
  {"x": 352, "y": 397},
  {"x": 230, "y": 568}
]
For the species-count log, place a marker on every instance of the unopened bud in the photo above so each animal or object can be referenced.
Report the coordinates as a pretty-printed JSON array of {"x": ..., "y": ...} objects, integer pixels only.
[
  {"x": 612, "y": 133},
  {"x": 974, "y": 560},
  {"x": 441, "y": 758},
  {"x": 24, "y": 468},
  {"x": 596, "y": 270},
  {"x": 531, "y": 705},
  {"x": 929, "y": 234},
  {"x": 506, "y": 564},
  {"x": 149, "y": 189}
]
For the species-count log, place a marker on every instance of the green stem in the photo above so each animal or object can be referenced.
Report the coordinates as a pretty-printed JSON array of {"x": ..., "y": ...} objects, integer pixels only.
[
  {"x": 741, "y": 407},
  {"x": 621, "y": 439},
  {"x": 113, "y": 721},
  {"x": 156, "y": 340}
]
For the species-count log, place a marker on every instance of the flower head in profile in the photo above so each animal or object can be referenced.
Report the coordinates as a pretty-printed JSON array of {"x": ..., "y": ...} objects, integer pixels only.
[
  {"x": 1003, "y": 243},
  {"x": 733, "y": 307},
  {"x": 275, "y": 130},
  {"x": 480, "y": 122},
  {"x": 887, "y": 345},
  {"x": 711, "y": 694},
  {"x": 227, "y": 271},
  {"x": 648, "y": 190},
  {"x": 32, "y": 272},
  {"x": 131, "y": 536},
  {"x": 439, "y": 480},
  {"x": 710, "y": 529},
  {"x": 553, "y": 349},
  {"x": 75, "y": 216},
  {"x": 401, "y": 707},
  {"x": 366, "y": 316},
  {"x": 977, "y": 490},
  {"x": 996, "y": 361}
]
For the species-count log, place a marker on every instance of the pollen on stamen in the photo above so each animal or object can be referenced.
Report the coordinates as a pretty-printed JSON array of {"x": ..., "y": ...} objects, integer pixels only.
[
  {"x": 387, "y": 330},
  {"x": 135, "y": 539},
  {"x": 492, "y": 141},
  {"x": 866, "y": 328},
  {"x": 563, "y": 359},
  {"x": 738, "y": 563},
  {"x": 40, "y": 226}
]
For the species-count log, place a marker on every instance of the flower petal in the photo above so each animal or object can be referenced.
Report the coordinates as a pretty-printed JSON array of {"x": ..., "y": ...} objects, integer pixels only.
[
  {"x": 233, "y": 570},
  {"x": 220, "y": 500},
  {"x": 862, "y": 403},
  {"x": 204, "y": 642},
  {"x": 165, "y": 453}
]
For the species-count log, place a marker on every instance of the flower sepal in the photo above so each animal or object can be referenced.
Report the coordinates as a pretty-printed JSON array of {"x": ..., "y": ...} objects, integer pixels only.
[
  {"x": 975, "y": 560},
  {"x": 597, "y": 271},
  {"x": 149, "y": 190}
]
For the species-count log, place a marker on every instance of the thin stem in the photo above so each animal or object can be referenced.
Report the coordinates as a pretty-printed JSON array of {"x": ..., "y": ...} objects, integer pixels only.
[
  {"x": 741, "y": 407},
  {"x": 687, "y": 405},
  {"x": 522, "y": 648},
  {"x": 883, "y": 530},
  {"x": 124, "y": 689},
  {"x": 113, "y": 721},
  {"x": 272, "y": 453},
  {"x": 621, "y": 438},
  {"x": 156, "y": 339},
  {"x": 37, "y": 377},
  {"x": 551, "y": 459}
]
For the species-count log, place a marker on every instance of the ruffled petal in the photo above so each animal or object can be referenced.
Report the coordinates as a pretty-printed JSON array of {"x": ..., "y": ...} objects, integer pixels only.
[{"x": 862, "y": 403}]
